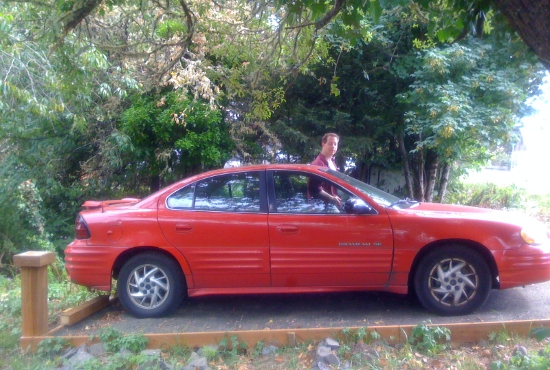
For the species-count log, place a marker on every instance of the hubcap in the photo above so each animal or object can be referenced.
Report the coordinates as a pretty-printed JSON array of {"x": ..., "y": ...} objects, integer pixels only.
[
  {"x": 148, "y": 286},
  {"x": 453, "y": 282}
]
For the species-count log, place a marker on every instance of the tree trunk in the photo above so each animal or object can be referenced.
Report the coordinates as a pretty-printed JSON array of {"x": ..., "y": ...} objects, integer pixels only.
[
  {"x": 444, "y": 181},
  {"x": 531, "y": 20},
  {"x": 419, "y": 176},
  {"x": 154, "y": 184},
  {"x": 406, "y": 168},
  {"x": 432, "y": 177}
]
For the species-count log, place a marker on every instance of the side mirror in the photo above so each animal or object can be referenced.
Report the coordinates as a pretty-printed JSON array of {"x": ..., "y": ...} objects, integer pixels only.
[{"x": 358, "y": 207}]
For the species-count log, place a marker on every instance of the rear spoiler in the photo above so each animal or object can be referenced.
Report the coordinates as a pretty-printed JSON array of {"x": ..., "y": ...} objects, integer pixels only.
[{"x": 93, "y": 204}]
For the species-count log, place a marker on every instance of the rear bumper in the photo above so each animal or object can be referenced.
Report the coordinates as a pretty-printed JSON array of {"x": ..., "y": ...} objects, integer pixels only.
[{"x": 90, "y": 266}]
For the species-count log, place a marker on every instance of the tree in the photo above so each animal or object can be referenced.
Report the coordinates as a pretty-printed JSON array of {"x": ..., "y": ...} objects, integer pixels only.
[
  {"x": 171, "y": 137},
  {"x": 463, "y": 104}
]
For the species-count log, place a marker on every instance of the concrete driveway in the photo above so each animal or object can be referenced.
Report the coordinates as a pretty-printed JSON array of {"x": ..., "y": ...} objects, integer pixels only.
[{"x": 313, "y": 311}]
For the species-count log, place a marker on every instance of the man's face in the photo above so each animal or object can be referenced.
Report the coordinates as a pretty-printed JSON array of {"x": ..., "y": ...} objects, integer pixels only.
[{"x": 329, "y": 148}]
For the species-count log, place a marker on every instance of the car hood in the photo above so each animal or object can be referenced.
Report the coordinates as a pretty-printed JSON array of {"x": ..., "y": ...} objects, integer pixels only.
[{"x": 439, "y": 210}]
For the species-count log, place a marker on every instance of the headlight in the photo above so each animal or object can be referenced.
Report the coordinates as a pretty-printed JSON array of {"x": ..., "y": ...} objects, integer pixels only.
[{"x": 534, "y": 234}]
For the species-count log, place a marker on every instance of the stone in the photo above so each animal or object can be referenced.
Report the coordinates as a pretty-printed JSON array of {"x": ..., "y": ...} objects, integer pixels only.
[
  {"x": 332, "y": 359},
  {"x": 322, "y": 366},
  {"x": 332, "y": 344},
  {"x": 151, "y": 352},
  {"x": 269, "y": 350},
  {"x": 323, "y": 351},
  {"x": 199, "y": 363},
  {"x": 82, "y": 355},
  {"x": 97, "y": 349}
]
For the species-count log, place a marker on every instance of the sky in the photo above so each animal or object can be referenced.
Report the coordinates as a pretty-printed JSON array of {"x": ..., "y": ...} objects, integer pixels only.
[{"x": 530, "y": 167}]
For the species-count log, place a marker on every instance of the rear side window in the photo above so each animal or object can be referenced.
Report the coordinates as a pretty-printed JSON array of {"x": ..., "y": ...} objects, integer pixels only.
[{"x": 228, "y": 193}]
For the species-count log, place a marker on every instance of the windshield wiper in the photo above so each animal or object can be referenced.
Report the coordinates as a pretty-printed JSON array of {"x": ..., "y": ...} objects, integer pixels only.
[{"x": 403, "y": 201}]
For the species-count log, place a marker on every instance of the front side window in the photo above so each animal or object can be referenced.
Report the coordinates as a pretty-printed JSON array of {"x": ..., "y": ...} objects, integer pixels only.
[
  {"x": 182, "y": 199},
  {"x": 229, "y": 193},
  {"x": 293, "y": 194}
]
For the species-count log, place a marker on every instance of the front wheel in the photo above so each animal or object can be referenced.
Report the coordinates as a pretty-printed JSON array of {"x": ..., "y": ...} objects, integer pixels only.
[
  {"x": 452, "y": 280},
  {"x": 150, "y": 285}
]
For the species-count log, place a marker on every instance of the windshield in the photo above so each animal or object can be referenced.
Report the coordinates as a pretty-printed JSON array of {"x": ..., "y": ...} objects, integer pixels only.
[{"x": 379, "y": 196}]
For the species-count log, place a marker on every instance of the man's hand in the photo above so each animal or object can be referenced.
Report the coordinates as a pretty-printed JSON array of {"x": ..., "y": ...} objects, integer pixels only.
[{"x": 336, "y": 201}]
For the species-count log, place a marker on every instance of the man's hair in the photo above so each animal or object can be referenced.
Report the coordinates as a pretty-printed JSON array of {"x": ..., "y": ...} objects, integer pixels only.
[{"x": 325, "y": 138}]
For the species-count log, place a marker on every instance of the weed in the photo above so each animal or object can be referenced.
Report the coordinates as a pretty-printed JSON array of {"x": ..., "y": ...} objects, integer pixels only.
[
  {"x": 210, "y": 352},
  {"x": 234, "y": 347},
  {"x": 429, "y": 339},
  {"x": 114, "y": 341},
  {"x": 487, "y": 196},
  {"x": 50, "y": 347},
  {"x": 500, "y": 338}
]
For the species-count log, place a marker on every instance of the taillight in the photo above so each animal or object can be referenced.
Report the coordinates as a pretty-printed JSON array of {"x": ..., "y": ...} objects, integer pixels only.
[{"x": 81, "y": 229}]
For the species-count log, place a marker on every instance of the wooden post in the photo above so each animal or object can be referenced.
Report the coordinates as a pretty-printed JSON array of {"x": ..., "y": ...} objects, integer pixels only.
[{"x": 34, "y": 291}]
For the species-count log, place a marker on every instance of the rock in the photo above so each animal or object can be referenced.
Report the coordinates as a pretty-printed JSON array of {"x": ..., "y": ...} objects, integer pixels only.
[
  {"x": 193, "y": 357},
  {"x": 151, "y": 352},
  {"x": 199, "y": 363},
  {"x": 269, "y": 350},
  {"x": 97, "y": 349},
  {"x": 520, "y": 351},
  {"x": 332, "y": 359},
  {"x": 82, "y": 355},
  {"x": 332, "y": 344},
  {"x": 325, "y": 355},
  {"x": 154, "y": 364},
  {"x": 124, "y": 352},
  {"x": 323, "y": 351}
]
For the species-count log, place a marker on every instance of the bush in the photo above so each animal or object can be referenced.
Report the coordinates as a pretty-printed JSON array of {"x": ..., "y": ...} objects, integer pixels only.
[{"x": 487, "y": 195}]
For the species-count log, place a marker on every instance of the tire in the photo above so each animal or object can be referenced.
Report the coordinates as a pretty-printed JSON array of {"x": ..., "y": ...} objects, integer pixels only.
[
  {"x": 150, "y": 285},
  {"x": 452, "y": 280}
]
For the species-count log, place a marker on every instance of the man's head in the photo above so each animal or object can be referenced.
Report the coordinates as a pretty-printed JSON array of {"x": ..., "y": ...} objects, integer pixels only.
[{"x": 329, "y": 145}]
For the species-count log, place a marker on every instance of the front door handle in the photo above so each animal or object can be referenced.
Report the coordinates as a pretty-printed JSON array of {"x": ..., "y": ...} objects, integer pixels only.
[
  {"x": 288, "y": 229},
  {"x": 184, "y": 228}
]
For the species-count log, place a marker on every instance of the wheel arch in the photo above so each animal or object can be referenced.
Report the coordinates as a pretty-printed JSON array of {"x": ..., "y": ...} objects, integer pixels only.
[
  {"x": 129, "y": 253},
  {"x": 470, "y": 244}
]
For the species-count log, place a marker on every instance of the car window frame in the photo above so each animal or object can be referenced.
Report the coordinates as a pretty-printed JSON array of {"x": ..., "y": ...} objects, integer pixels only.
[
  {"x": 272, "y": 197},
  {"x": 262, "y": 194}
]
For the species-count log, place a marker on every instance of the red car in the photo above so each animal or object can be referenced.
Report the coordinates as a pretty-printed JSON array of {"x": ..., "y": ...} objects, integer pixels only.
[{"x": 259, "y": 229}]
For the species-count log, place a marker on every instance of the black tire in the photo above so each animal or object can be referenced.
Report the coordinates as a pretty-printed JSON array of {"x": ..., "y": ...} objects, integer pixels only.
[
  {"x": 452, "y": 280},
  {"x": 150, "y": 285}
]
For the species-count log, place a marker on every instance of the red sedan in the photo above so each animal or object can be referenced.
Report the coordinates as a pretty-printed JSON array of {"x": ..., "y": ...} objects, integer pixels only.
[{"x": 260, "y": 229}]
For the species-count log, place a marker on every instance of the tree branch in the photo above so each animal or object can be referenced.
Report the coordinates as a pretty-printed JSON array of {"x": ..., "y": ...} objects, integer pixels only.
[{"x": 74, "y": 19}]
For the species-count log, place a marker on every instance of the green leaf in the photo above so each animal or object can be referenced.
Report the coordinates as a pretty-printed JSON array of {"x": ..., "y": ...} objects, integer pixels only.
[{"x": 540, "y": 334}]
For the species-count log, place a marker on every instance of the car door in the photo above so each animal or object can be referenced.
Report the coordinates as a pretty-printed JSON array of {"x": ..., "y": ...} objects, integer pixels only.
[
  {"x": 219, "y": 224},
  {"x": 315, "y": 244}
]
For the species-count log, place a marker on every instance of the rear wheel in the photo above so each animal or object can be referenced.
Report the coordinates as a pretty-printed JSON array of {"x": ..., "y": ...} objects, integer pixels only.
[
  {"x": 452, "y": 280},
  {"x": 150, "y": 285}
]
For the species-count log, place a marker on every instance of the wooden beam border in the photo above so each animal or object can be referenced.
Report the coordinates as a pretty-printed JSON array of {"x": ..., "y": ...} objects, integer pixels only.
[{"x": 461, "y": 333}]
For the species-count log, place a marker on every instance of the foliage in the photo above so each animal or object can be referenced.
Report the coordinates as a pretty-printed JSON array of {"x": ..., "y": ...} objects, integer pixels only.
[
  {"x": 364, "y": 112},
  {"x": 61, "y": 295},
  {"x": 114, "y": 341},
  {"x": 429, "y": 339},
  {"x": 360, "y": 334},
  {"x": 487, "y": 195},
  {"x": 232, "y": 346},
  {"x": 50, "y": 347},
  {"x": 92, "y": 94},
  {"x": 171, "y": 136},
  {"x": 464, "y": 103}
]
